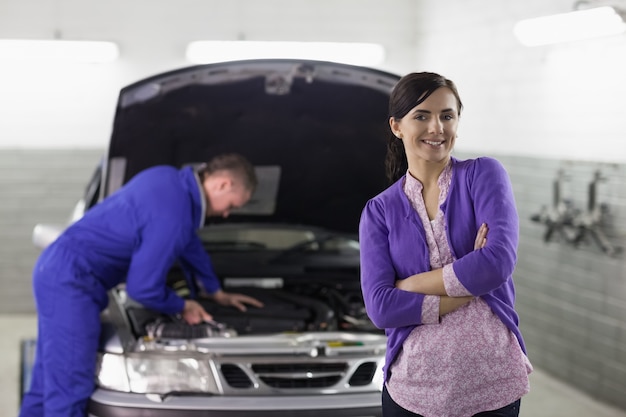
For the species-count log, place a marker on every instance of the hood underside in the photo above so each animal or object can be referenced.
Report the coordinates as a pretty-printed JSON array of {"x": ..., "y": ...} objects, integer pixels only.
[{"x": 315, "y": 131}]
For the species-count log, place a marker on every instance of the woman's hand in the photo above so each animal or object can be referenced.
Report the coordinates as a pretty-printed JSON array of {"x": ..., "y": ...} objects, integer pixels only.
[
  {"x": 449, "y": 304},
  {"x": 238, "y": 301},
  {"x": 481, "y": 237}
]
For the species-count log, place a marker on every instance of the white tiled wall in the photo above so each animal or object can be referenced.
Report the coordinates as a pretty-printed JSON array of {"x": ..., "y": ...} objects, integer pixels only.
[
  {"x": 36, "y": 186},
  {"x": 561, "y": 101}
]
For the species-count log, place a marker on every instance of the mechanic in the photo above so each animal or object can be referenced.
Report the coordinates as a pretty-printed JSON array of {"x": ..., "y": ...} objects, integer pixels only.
[{"x": 135, "y": 235}]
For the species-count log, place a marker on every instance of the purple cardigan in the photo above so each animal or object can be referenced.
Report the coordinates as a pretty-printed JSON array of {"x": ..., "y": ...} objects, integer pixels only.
[{"x": 393, "y": 246}]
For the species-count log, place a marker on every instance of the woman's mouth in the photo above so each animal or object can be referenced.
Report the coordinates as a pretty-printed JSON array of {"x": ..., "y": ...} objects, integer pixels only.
[{"x": 433, "y": 142}]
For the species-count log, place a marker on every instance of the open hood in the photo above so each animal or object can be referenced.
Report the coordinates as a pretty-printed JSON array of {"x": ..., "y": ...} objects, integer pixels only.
[{"x": 315, "y": 132}]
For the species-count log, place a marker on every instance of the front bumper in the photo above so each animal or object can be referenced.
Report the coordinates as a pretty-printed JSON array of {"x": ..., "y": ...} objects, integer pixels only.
[{"x": 118, "y": 404}]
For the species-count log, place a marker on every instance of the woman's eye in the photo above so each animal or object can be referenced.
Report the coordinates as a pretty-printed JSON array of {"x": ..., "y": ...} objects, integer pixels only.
[{"x": 448, "y": 117}]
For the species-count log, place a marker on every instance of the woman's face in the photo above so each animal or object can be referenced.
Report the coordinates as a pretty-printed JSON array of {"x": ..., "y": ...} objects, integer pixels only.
[{"x": 428, "y": 131}]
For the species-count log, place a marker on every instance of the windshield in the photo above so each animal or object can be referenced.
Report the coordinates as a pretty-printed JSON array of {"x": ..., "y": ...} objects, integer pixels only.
[{"x": 275, "y": 238}]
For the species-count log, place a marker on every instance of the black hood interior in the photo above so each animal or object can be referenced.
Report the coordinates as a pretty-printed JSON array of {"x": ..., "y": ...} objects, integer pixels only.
[{"x": 323, "y": 124}]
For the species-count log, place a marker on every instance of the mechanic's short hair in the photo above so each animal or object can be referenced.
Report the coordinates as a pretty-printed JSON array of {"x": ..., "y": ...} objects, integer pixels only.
[{"x": 236, "y": 164}]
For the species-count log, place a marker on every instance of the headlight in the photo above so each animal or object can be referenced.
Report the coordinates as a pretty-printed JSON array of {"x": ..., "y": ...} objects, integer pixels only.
[
  {"x": 155, "y": 374},
  {"x": 111, "y": 372},
  {"x": 379, "y": 375}
]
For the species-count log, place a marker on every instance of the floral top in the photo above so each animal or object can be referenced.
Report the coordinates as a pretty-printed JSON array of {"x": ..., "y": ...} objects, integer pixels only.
[{"x": 467, "y": 362}]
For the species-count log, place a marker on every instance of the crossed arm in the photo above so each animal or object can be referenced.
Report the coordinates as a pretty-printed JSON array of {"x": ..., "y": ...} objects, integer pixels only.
[{"x": 431, "y": 282}]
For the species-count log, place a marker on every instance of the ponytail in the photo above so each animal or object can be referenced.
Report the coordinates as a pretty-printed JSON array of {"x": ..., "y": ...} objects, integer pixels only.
[{"x": 395, "y": 160}]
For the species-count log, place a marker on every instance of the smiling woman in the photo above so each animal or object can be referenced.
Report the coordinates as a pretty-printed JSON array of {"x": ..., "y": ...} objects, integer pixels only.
[{"x": 438, "y": 249}]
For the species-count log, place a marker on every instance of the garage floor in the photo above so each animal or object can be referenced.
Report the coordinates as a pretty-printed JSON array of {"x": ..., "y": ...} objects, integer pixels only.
[{"x": 548, "y": 397}]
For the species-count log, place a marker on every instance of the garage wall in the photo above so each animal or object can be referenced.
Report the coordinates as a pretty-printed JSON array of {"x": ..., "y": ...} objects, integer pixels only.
[
  {"x": 559, "y": 101},
  {"x": 538, "y": 102},
  {"x": 37, "y": 186},
  {"x": 572, "y": 298},
  {"x": 73, "y": 104}
]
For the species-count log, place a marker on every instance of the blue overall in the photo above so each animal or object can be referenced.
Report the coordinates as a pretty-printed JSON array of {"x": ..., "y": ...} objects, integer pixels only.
[{"x": 133, "y": 236}]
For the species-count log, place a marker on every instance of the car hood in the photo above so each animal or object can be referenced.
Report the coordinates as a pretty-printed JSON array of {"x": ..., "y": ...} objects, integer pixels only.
[{"x": 315, "y": 132}]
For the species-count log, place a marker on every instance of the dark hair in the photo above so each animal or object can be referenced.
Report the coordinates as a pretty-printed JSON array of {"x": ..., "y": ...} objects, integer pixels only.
[
  {"x": 411, "y": 90},
  {"x": 234, "y": 163}
]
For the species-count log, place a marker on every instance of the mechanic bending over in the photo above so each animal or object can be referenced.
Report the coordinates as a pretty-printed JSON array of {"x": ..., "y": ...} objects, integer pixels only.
[{"x": 136, "y": 234}]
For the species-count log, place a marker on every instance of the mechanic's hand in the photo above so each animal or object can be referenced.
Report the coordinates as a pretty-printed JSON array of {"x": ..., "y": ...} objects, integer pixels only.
[
  {"x": 194, "y": 313},
  {"x": 481, "y": 237},
  {"x": 238, "y": 301}
]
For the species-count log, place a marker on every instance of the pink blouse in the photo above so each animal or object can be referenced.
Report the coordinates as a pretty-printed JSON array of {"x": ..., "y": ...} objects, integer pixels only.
[{"x": 467, "y": 362}]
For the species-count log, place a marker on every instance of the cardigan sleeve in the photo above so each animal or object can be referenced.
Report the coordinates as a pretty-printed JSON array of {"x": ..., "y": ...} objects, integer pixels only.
[
  {"x": 387, "y": 306},
  {"x": 483, "y": 270}
]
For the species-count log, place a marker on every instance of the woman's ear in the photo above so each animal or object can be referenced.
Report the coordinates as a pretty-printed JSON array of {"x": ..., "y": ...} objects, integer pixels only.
[{"x": 395, "y": 127}]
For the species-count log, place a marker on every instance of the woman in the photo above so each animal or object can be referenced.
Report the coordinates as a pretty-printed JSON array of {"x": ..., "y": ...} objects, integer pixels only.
[{"x": 438, "y": 249}]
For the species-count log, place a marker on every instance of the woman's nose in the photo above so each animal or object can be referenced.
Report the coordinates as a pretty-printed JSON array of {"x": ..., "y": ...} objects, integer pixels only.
[{"x": 436, "y": 126}]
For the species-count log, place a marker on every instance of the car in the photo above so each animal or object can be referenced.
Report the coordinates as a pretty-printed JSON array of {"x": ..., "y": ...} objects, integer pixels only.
[{"x": 315, "y": 132}]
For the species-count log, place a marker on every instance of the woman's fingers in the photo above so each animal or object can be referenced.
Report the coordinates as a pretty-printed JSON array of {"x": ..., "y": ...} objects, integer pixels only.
[{"x": 481, "y": 237}]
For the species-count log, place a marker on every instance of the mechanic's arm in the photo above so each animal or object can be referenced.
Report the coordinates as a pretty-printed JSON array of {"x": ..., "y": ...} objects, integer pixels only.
[
  {"x": 150, "y": 263},
  {"x": 239, "y": 301},
  {"x": 197, "y": 258}
]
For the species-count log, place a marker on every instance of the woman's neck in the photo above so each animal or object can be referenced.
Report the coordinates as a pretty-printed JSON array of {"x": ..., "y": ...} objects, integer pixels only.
[{"x": 427, "y": 172}]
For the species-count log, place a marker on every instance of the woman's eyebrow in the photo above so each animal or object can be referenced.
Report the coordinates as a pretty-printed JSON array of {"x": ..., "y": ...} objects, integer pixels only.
[{"x": 429, "y": 112}]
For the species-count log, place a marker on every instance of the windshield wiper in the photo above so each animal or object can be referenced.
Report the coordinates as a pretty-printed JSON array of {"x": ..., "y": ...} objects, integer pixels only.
[
  {"x": 213, "y": 245},
  {"x": 315, "y": 244}
]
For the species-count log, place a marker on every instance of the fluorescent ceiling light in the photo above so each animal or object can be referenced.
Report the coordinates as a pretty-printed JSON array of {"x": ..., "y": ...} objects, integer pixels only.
[
  {"x": 204, "y": 52},
  {"x": 565, "y": 27},
  {"x": 55, "y": 51}
]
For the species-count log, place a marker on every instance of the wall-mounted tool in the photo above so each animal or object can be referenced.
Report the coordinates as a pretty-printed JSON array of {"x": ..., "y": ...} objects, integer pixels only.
[
  {"x": 572, "y": 225},
  {"x": 589, "y": 223},
  {"x": 560, "y": 216}
]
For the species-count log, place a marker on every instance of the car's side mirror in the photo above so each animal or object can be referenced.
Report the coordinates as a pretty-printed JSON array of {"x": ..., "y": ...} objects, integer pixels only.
[{"x": 45, "y": 234}]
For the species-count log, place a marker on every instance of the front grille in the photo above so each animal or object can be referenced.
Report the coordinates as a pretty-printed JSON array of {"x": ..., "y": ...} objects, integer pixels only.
[
  {"x": 363, "y": 375},
  {"x": 300, "y": 375},
  {"x": 313, "y": 382},
  {"x": 235, "y": 376}
]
